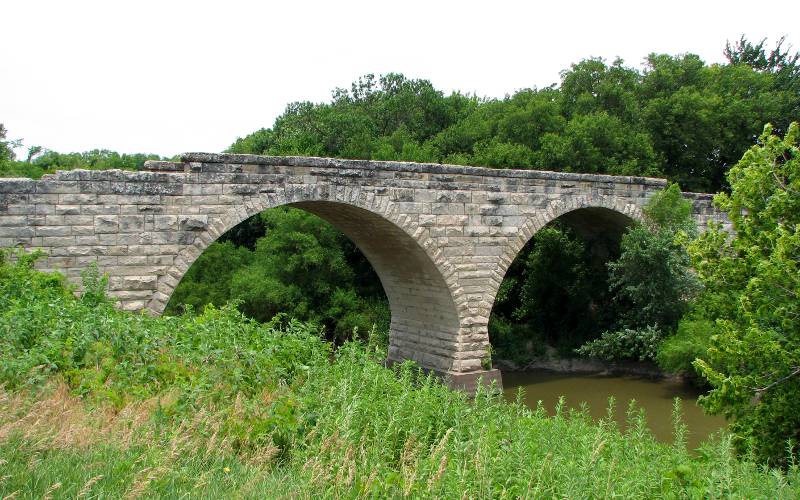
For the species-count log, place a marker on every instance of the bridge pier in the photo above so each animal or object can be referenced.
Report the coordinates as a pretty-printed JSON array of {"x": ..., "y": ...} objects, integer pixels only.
[{"x": 439, "y": 237}]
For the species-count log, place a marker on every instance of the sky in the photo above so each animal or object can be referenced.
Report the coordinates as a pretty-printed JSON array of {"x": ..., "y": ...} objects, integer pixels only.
[{"x": 168, "y": 77}]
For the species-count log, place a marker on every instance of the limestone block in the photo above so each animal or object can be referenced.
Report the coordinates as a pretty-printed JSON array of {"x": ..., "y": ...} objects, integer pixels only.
[
  {"x": 77, "y": 199},
  {"x": 165, "y": 222},
  {"x": 106, "y": 224},
  {"x": 193, "y": 222},
  {"x": 132, "y": 305},
  {"x": 67, "y": 209},
  {"x": 131, "y": 223},
  {"x": 16, "y": 232},
  {"x": 82, "y": 230},
  {"x": 58, "y": 241},
  {"x": 53, "y": 230},
  {"x": 71, "y": 251},
  {"x": 132, "y": 282}
]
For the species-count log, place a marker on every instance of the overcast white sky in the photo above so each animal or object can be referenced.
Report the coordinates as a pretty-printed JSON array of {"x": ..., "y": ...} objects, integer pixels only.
[{"x": 167, "y": 77}]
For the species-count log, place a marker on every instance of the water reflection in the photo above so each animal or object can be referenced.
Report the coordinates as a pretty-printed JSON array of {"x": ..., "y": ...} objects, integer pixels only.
[{"x": 655, "y": 396}]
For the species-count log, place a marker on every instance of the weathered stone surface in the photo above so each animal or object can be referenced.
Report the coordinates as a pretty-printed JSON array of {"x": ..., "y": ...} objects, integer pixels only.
[
  {"x": 193, "y": 222},
  {"x": 106, "y": 224},
  {"x": 440, "y": 237}
]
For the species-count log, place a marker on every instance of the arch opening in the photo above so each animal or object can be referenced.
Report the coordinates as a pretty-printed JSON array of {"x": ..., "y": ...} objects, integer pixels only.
[
  {"x": 555, "y": 294},
  {"x": 423, "y": 323}
]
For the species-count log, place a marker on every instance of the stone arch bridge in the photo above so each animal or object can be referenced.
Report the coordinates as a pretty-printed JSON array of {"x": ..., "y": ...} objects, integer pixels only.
[{"x": 440, "y": 237}]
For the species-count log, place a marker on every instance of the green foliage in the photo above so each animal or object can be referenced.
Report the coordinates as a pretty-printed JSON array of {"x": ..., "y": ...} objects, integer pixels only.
[
  {"x": 41, "y": 161},
  {"x": 640, "y": 344},
  {"x": 550, "y": 296},
  {"x": 50, "y": 161},
  {"x": 753, "y": 362},
  {"x": 94, "y": 287},
  {"x": 780, "y": 62},
  {"x": 6, "y": 147},
  {"x": 679, "y": 118},
  {"x": 219, "y": 405},
  {"x": 600, "y": 143},
  {"x": 301, "y": 266},
  {"x": 652, "y": 276},
  {"x": 555, "y": 275},
  {"x": 667, "y": 210},
  {"x": 515, "y": 341},
  {"x": 651, "y": 281},
  {"x": 208, "y": 280},
  {"x": 701, "y": 118},
  {"x": 103, "y": 352},
  {"x": 677, "y": 352}
]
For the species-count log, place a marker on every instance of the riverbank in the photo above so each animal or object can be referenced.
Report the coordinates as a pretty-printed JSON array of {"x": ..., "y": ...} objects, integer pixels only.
[
  {"x": 585, "y": 366},
  {"x": 553, "y": 362}
]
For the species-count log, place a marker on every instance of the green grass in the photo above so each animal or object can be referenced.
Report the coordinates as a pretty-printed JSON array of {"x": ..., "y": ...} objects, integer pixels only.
[{"x": 100, "y": 403}]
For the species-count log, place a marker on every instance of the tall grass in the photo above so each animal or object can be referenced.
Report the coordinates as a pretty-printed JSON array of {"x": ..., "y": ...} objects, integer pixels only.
[{"x": 100, "y": 403}]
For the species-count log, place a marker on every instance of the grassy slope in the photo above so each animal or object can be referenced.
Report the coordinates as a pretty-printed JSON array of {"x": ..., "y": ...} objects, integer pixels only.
[{"x": 102, "y": 403}]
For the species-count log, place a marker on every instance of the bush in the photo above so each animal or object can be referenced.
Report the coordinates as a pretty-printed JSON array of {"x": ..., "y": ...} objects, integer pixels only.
[
  {"x": 691, "y": 341},
  {"x": 104, "y": 353},
  {"x": 638, "y": 344},
  {"x": 652, "y": 278}
]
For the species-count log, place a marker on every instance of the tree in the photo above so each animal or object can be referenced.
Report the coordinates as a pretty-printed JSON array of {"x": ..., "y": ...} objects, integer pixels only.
[
  {"x": 6, "y": 146},
  {"x": 780, "y": 64},
  {"x": 208, "y": 280},
  {"x": 779, "y": 61},
  {"x": 554, "y": 294},
  {"x": 651, "y": 281},
  {"x": 592, "y": 86},
  {"x": 299, "y": 265},
  {"x": 753, "y": 363},
  {"x": 599, "y": 143}
]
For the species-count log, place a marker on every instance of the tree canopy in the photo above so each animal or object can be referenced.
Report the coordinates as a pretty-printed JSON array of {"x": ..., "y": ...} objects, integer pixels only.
[
  {"x": 753, "y": 275},
  {"x": 676, "y": 117}
]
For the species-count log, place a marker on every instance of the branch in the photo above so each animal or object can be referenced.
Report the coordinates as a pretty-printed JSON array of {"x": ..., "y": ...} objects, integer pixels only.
[
  {"x": 780, "y": 380},
  {"x": 783, "y": 185}
]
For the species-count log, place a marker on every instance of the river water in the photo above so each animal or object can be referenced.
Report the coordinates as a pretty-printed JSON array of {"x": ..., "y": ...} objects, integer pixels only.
[{"x": 655, "y": 396}]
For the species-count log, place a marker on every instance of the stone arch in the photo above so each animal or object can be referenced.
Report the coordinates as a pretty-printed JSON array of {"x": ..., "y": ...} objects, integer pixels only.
[
  {"x": 414, "y": 274},
  {"x": 554, "y": 210}
]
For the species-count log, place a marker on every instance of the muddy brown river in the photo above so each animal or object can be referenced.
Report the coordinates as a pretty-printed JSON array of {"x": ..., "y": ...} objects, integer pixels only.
[{"x": 655, "y": 396}]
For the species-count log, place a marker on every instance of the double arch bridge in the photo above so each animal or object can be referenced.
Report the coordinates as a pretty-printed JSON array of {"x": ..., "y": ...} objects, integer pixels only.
[{"x": 440, "y": 237}]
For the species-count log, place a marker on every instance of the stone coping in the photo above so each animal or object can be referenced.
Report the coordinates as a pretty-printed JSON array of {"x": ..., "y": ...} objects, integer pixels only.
[
  {"x": 398, "y": 166},
  {"x": 24, "y": 184}
]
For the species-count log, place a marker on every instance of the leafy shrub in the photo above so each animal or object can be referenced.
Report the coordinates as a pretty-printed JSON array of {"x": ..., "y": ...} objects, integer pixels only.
[
  {"x": 652, "y": 279},
  {"x": 639, "y": 344},
  {"x": 105, "y": 353},
  {"x": 690, "y": 342}
]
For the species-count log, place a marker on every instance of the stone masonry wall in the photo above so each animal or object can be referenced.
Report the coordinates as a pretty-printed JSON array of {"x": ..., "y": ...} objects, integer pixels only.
[{"x": 439, "y": 237}]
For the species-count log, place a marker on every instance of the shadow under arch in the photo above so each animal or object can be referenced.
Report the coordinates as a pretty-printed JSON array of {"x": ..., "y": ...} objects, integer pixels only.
[
  {"x": 592, "y": 215},
  {"x": 424, "y": 318},
  {"x": 600, "y": 225}
]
